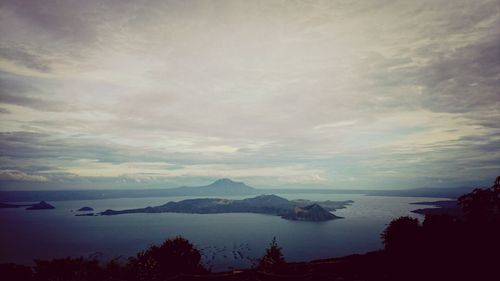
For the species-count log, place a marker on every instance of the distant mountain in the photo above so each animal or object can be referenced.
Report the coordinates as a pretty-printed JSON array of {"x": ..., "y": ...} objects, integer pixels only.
[
  {"x": 41, "y": 206},
  {"x": 436, "y": 192},
  {"x": 221, "y": 187},
  {"x": 263, "y": 204}
]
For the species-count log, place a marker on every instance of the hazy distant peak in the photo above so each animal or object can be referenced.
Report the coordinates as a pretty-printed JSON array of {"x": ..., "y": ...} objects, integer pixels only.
[
  {"x": 225, "y": 181},
  {"x": 222, "y": 186},
  {"x": 228, "y": 183}
]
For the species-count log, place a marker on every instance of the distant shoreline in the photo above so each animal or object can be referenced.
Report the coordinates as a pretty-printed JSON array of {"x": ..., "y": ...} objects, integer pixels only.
[{"x": 71, "y": 195}]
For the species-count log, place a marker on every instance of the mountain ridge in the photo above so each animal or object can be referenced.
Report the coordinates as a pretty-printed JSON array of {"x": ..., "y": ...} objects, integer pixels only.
[
  {"x": 236, "y": 189},
  {"x": 304, "y": 210}
]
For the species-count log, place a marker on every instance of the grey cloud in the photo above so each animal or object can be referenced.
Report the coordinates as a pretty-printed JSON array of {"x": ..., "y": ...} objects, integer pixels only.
[
  {"x": 255, "y": 77},
  {"x": 21, "y": 55},
  {"x": 41, "y": 35},
  {"x": 452, "y": 17},
  {"x": 450, "y": 51},
  {"x": 59, "y": 18},
  {"x": 11, "y": 84},
  {"x": 460, "y": 81},
  {"x": 44, "y": 147},
  {"x": 22, "y": 92},
  {"x": 467, "y": 79},
  {"x": 32, "y": 102},
  {"x": 15, "y": 175}
]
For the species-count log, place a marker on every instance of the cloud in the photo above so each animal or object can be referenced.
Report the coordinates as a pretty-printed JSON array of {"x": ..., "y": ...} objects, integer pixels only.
[
  {"x": 15, "y": 175},
  {"x": 64, "y": 21},
  {"x": 465, "y": 80},
  {"x": 318, "y": 93},
  {"x": 22, "y": 91},
  {"x": 22, "y": 56},
  {"x": 335, "y": 125}
]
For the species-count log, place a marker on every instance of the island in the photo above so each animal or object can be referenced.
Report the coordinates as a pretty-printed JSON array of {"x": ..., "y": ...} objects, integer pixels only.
[
  {"x": 444, "y": 207},
  {"x": 303, "y": 210},
  {"x": 85, "y": 209},
  {"x": 41, "y": 206},
  {"x": 35, "y": 206},
  {"x": 312, "y": 212}
]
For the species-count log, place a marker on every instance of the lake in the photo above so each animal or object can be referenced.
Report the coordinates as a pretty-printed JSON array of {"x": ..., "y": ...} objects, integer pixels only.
[{"x": 227, "y": 241}]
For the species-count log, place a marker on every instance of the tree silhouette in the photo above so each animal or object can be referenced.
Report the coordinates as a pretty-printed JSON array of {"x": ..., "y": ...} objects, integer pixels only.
[
  {"x": 482, "y": 205},
  {"x": 273, "y": 258},
  {"x": 402, "y": 235},
  {"x": 173, "y": 257},
  {"x": 10, "y": 271},
  {"x": 68, "y": 269},
  {"x": 481, "y": 229},
  {"x": 116, "y": 271},
  {"x": 445, "y": 247}
]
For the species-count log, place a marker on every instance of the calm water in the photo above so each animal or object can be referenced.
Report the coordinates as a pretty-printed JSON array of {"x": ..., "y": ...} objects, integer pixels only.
[{"x": 226, "y": 240}]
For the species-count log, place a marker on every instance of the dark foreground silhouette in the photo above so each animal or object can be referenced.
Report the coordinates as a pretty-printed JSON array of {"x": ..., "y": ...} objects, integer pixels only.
[{"x": 443, "y": 247}]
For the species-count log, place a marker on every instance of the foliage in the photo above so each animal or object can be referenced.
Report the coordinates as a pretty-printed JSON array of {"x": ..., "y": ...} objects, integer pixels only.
[
  {"x": 402, "y": 234},
  {"x": 456, "y": 248},
  {"x": 10, "y": 271},
  {"x": 482, "y": 205},
  {"x": 273, "y": 258},
  {"x": 68, "y": 269},
  {"x": 173, "y": 257}
]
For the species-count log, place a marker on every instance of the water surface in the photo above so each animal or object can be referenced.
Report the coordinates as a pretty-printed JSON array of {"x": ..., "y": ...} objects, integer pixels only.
[{"x": 226, "y": 240}]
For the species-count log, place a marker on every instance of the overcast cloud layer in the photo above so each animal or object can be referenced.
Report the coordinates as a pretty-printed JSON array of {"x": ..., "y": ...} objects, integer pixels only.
[{"x": 336, "y": 94}]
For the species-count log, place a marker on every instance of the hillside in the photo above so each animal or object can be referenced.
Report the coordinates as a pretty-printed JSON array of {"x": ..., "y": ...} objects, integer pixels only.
[{"x": 263, "y": 204}]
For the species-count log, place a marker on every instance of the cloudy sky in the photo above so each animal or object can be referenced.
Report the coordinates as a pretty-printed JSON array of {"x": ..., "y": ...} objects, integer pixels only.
[{"x": 335, "y": 94}]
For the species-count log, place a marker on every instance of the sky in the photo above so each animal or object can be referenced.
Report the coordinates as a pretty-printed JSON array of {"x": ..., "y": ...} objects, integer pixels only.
[{"x": 309, "y": 94}]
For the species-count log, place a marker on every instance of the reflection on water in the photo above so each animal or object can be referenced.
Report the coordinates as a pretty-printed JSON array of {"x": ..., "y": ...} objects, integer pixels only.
[{"x": 226, "y": 240}]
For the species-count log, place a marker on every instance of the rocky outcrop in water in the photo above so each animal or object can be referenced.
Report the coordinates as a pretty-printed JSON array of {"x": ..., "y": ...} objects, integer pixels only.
[
  {"x": 312, "y": 212},
  {"x": 85, "y": 209},
  {"x": 41, "y": 206}
]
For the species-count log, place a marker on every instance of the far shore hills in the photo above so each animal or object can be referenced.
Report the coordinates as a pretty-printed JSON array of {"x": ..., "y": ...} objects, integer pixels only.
[
  {"x": 221, "y": 187},
  {"x": 34, "y": 206},
  {"x": 227, "y": 187}
]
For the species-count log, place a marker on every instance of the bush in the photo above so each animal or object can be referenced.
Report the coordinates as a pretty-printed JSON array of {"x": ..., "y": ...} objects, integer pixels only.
[
  {"x": 68, "y": 269},
  {"x": 10, "y": 271},
  {"x": 173, "y": 257},
  {"x": 402, "y": 235},
  {"x": 482, "y": 206}
]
